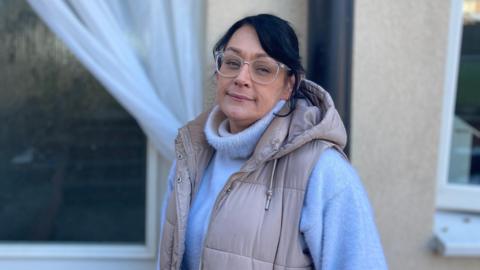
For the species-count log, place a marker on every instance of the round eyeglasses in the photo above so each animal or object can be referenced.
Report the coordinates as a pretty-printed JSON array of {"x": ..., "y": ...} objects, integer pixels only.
[{"x": 262, "y": 70}]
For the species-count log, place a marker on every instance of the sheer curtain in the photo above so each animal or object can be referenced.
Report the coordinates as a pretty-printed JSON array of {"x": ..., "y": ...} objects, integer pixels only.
[{"x": 146, "y": 53}]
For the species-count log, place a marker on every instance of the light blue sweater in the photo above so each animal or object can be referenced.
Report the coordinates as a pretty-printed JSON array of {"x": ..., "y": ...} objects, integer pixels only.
[{"x": 336, "y": 221}]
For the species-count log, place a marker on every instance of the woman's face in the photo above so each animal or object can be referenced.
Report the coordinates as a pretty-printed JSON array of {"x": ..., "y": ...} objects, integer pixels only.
[{"x": 241, "y": 99}]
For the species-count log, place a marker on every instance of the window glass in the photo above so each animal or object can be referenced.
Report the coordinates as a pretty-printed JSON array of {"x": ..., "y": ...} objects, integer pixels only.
[
  {"x": 465, "y": 151},
  {"x": 72, "y": 161}
]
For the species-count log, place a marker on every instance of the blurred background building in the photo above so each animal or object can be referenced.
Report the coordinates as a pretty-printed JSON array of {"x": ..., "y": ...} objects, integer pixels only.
[{"x": 81, "y": 185}]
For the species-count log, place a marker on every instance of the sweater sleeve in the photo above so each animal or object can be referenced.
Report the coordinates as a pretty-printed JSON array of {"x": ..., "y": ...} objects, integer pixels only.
[{"x": 337, "y": 221}]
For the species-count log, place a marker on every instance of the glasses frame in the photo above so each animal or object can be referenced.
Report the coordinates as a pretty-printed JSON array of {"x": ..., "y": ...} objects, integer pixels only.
[{"x": 219, "y": 54}]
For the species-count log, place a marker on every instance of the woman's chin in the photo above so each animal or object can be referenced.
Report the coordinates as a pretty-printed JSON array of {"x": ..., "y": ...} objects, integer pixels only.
[
  {"x": 239, "y": 118},
  {"x": 235, "y": 110},
  {"x": 236, "y": 116}
]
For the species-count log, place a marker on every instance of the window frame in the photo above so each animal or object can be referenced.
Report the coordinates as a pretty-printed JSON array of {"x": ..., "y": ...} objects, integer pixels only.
[
  {"x": 452, "y": 196},
  {"x": 156, "y": 169}
]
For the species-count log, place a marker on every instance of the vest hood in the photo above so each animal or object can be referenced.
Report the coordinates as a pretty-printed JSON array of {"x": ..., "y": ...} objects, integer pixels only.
[{"x": 314, "y": 118}]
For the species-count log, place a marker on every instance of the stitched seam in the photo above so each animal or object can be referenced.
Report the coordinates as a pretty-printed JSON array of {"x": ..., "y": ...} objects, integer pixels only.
[
  {"x": 255, "y": 259},
  {"x": 259, "y": 184}
]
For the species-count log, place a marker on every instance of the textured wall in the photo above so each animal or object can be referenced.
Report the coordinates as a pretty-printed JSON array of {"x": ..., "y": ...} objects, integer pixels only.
[
  {"x": 399, "y": 61},
  {"x": 221, "y": 14}
]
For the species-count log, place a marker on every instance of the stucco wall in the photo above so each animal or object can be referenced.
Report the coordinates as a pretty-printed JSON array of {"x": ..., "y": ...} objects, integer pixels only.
[
  {"x": 398, "y": 75},
  {"x": 221, "y": 14}
]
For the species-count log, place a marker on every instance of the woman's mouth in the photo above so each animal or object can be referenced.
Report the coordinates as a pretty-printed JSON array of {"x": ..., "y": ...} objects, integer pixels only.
[{"x": 238, "y": 97}]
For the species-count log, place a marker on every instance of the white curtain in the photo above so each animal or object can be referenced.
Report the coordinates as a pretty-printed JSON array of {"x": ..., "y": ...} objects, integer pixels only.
[{"x": 145, "y": 52}]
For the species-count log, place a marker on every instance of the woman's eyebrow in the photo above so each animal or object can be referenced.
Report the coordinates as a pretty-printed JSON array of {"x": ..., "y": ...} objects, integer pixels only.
[
  {"x": 238, "y": 51},
  {"x": 235, "y": 50}
]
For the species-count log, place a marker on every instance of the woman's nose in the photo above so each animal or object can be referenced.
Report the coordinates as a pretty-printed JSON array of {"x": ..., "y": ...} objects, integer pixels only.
[{"x": 243, "y": 78}]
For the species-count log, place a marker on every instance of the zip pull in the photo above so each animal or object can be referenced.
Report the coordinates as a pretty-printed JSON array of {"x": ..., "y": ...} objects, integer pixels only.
[
  {"x": 269, "y": 199},
  {"x": 270, "y": 187}
]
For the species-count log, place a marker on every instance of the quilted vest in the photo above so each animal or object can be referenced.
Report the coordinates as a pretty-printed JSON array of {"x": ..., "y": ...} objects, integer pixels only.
[{"x": 255, "y": 219}]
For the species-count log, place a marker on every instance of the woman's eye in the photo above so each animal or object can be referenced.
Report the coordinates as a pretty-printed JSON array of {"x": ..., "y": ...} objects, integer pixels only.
[
  {"x": 233, "y": 64},
  {"x": 263, "y": 70}
]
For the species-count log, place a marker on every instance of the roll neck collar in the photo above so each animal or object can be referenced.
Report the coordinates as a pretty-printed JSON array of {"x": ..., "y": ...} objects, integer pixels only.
[{"x": 239, "y": 145}]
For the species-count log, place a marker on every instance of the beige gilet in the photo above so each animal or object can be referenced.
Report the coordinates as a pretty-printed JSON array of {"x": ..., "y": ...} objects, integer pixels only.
[{"x": 255, "y": 220}]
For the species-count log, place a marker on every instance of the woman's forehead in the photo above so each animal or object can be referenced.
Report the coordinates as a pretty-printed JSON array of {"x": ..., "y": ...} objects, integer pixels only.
[{"x": 245, "y": 42}]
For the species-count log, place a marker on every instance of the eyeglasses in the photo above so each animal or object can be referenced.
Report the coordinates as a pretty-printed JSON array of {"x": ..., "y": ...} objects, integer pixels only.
[{"x": 262, "y": 70}]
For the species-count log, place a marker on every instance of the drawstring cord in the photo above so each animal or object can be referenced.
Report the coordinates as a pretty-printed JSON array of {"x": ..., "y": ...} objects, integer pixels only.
[{"x": 270, "y": 187}]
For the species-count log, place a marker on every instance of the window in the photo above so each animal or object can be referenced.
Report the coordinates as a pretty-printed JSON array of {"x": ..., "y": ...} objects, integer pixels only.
[
  {"x": 77, "y": 175},
  {"x": 457, "y": 221},
  {"x": 460, "y": 187}
]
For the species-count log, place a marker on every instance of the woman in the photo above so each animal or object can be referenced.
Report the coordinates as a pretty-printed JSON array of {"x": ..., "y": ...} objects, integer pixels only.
[{"x": 260, "y": 181}]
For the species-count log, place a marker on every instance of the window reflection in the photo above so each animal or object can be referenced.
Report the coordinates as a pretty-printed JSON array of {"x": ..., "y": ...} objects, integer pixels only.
[
  {"x": 72, "y": 161},
  {"x": 465, "y": 152}
]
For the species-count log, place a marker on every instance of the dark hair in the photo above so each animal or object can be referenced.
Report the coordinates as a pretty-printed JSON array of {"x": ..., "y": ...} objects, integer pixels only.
[{"x": 278, "y": 40}]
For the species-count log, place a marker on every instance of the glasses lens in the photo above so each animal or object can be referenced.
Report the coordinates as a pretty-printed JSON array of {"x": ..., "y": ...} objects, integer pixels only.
[
  {"x": 264, "y": 70},
  {"x": 229, "y": 65}
]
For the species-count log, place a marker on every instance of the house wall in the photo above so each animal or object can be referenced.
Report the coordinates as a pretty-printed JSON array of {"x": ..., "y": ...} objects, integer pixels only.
[{"x": 400, "y": 50}]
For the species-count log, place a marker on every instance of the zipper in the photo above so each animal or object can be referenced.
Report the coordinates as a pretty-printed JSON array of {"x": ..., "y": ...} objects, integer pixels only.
[
  {"x": 188, "y": 146},
  {"x": 185, "y": 137},
  {"x": 227, "y": 188},
  {"x": 223, "y": 196}
]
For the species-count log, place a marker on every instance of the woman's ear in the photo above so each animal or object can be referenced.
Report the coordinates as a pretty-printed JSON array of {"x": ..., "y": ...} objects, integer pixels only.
[{"x": 287, "y": 91}]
